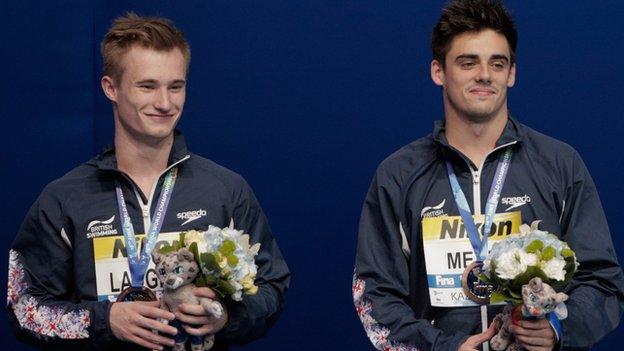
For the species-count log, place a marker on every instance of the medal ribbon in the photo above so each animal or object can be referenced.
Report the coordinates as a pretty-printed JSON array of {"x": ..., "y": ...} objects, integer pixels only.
[
  {"x": 138, "y": 262},
  {"x": 480, "y": 246}
]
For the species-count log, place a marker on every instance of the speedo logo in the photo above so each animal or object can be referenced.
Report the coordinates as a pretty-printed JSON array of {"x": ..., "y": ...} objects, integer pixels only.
[
  {"x": 433, "y": 211},
  {"x": 101, "y": 228},
  {"x": 515, "y": 201},
  {"x": 191, "y": 215}
]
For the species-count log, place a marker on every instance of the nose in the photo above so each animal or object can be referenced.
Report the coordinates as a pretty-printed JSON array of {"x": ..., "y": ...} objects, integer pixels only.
[
  {"x": 162, "y": 100},
  {"x": 483, "y": 75}
]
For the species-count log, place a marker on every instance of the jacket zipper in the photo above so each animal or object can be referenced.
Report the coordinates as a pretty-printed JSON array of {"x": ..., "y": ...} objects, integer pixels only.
[
  {"x": 145, "y": 208},
  {"x": 476, "y": 179}
]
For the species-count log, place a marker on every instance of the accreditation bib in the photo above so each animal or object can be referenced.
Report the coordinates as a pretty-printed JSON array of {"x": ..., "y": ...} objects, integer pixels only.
[
  {"x": 112, "y": 272},
  {"x": 448, "y": 252}
]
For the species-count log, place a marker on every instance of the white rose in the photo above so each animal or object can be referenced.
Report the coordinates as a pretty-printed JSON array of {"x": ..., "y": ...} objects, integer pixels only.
[
  {"x": 553, "y": 268},
  {"x": 508, "y": 266},
  {"x": 527, "y": 259}
]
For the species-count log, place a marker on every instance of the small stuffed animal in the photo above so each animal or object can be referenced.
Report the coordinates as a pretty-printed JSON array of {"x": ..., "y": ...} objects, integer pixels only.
[
  {"x": 538, "y": 299},
  {"x": 177, "y": 270}
]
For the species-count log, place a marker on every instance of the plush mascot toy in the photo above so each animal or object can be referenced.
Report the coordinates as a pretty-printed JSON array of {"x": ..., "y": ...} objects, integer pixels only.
[
  {"x": 177, "y": 270},
  {"x": 538, "y": 299}
]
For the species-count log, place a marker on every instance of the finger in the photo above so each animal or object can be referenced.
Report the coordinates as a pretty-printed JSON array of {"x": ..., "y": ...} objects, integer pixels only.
[
  {"x": 154, "y": 312},
  {"x": 190, "y": 319},
  {"x": 135, "y": 336},
  {"x": 151, "y": 337},
  {"x": 534, "y": 324},
  {"x": 201, "y": 331},
  {"x": 153, "y": 324},
  {"x": 478, "y": 339},
  {"x": 148, "y": 303},
  {"x": 534, "y": 341},
  {"x": 196, "y": 310},
  {"x": 204, "y": 292},
  {"x": 543, "y": 333}
]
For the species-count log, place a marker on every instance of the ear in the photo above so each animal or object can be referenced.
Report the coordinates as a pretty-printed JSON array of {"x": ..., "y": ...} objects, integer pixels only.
[
  {"x": 560, "y": 297},
  {"x": 109, "y": 88},
  {"x": 536, "y": 284},
  {"x": 561, "y": 310},
  {"x": 185, "y": 254},
  {"x": 437, "y": 73},
  {"x": 156, "y": 256},
  {"x": 511, "y": 80}
]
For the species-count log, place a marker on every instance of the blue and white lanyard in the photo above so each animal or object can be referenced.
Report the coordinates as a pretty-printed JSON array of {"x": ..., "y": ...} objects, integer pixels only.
[
  {"x": 138, "y": 262},
  {"x": 480, "y": 246}
]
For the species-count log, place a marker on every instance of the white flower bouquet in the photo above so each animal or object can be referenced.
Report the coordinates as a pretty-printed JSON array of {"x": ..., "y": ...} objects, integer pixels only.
[
  {"x": 225, "y": 258},
  {"x": 515, "y": 260}
]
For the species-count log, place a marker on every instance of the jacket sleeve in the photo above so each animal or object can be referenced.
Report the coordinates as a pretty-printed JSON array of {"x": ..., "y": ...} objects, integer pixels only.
[
  {"x": 41, "y": 305},
  {"x": 596, "y": 293},
  {"x": 252, "y": 317},
  {"x": 381, "y": 278}
]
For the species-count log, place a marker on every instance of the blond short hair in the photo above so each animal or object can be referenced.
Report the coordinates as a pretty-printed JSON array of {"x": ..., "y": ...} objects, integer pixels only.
[{"x": 150, "y": 32}]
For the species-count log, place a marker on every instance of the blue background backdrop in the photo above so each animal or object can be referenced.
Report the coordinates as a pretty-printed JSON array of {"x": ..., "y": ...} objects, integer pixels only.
[{"x": 304, "y": 99}]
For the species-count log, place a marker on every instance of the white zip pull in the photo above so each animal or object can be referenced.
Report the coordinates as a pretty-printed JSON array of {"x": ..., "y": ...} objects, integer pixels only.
[
  {"x": 475, "y": 177},
  {"x": 145, "y": 211}
]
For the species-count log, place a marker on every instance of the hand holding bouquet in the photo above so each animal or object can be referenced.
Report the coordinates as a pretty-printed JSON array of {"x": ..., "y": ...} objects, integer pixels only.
[{"x": 525, "y": 268}]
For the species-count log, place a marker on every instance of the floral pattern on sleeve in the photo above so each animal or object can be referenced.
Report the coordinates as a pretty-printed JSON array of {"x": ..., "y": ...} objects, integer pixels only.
[
  {"x": 377, "y": 333},
  {"x": 46, "y": 321}
]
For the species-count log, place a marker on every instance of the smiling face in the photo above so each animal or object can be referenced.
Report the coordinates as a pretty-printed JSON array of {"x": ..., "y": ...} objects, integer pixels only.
[
  {"x": 475, "y": 76},
  {"x": 149, "y": 96}
]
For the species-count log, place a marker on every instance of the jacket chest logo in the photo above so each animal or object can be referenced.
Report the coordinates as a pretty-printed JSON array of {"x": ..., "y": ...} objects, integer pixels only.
[
  {"x": 190, "y": 216},
  {"x": 433, "y": 211},
  {"x": 98, "y": 228},
  {"x": 515, "y": 201}
]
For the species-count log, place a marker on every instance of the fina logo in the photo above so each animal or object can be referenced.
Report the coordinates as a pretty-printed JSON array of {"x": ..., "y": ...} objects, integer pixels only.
[
  {"x": 191, "y": 215},
  {"x": 515, "y": 201},
  {"x": 435, "y": 210}
]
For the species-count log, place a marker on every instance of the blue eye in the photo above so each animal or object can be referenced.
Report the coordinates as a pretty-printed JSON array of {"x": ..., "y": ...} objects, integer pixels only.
[{"x": 178, "y": 270}]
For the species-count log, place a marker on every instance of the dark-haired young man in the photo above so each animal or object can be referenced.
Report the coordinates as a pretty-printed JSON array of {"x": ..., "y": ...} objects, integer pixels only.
[
  {"x": 73, "y": 281},
  {"x": 414, "y": 243}
]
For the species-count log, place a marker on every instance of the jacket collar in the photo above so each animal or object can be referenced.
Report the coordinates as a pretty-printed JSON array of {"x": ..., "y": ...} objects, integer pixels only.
[
  {"x": 107, "y": 161},
  {"x": 512, "y": 132}
]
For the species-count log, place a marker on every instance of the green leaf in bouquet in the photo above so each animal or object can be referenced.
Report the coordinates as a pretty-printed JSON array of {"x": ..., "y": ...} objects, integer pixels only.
[
  {"x": 535, "y": 246},
  {"x": 483, "y": 277},
  {"x": 181, "y": 242},
  {"x": 523, "y": 278},
  {"x": 232, "y": 260},
  {"x": 200, "y": 280},
  {"x": 227, "y": 247},
  {"x": 166, "y": 249},
  {"x": 548, "y": 253},
  {"x": 570, "y": 268},
  {"x": 193, "y": 248},
  {"x": 502, "y": 297},
  {"x": 210, "y": 262},
  {"x": 225, "y": 287},
  {"x": 514, "y": 294}
]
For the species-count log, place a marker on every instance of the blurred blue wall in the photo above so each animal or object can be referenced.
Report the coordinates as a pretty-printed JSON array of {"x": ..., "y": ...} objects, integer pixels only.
[{"x": 304, "y": 99}]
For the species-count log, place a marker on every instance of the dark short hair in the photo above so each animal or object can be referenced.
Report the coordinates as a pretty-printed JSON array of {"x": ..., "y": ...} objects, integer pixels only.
[
  {"x": 150, "y": 32},
  {"x": 461, "y": 16}
]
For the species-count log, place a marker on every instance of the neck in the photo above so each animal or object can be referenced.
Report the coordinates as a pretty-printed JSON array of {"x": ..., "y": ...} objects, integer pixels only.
[
  {"x": 474, "y": 139},
  {"x": 142, "y": 161}
]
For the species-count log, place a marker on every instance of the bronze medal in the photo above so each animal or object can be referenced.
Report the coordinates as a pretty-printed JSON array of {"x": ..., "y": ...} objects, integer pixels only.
[
  {"x": 136, "y": 294},
  {"x": 474, "y": 288}
]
